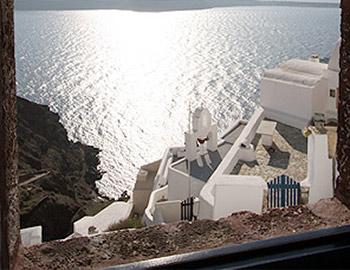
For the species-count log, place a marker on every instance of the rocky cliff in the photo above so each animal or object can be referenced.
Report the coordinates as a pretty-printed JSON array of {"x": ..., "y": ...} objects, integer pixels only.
[{"x": 57, "y": 177}]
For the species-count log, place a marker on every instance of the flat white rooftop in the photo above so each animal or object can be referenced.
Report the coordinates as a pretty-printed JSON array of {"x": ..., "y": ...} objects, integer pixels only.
[{"x": 296, "y": 71}]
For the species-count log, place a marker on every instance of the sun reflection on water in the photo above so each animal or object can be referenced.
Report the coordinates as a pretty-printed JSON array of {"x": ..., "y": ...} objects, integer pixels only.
[{"x": 122, "y": 80}]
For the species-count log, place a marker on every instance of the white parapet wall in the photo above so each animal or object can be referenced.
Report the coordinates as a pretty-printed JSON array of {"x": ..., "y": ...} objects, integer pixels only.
[
  {"x": 167, "y": 211},
  {"x": 235, "y": 193},
  {"x": 113, "y": 213},
  {"x": 320, "y": 169},
  {"x": 31, "y": 236}
]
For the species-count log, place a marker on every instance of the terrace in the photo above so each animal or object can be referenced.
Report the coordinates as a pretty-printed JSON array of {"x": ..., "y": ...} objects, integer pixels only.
[
  {"x": 287, "y": 155},
  {"x": 206, "y": 164}
]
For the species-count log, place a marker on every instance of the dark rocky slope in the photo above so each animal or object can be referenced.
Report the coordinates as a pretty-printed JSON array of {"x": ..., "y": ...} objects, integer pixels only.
[
  {"x": 125, "y": 246},
  {"x": 68, "y": 191}
]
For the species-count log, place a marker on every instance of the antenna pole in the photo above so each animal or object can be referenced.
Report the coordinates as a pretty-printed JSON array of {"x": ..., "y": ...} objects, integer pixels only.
[
  {"x": 188, "y": 161},
  {"x": 189, "y": 116}
]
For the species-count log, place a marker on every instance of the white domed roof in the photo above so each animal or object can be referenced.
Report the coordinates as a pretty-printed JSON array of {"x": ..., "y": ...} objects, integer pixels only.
[{"x": 334, "y": 61}]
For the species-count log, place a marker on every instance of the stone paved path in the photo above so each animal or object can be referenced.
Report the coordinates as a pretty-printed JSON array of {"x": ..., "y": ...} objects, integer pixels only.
[{"x": 288, "y": 155}]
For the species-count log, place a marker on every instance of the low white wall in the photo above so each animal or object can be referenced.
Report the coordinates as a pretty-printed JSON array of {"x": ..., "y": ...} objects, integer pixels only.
[
  {"x": 114, "y": 213},
  {"x": 156, "y": 195},
  {"x": 168, "y": 211},
  {"x": 31, "y": 236},
  {"x": 320, "y": 169},
  {"x": 235, "y": 193}
]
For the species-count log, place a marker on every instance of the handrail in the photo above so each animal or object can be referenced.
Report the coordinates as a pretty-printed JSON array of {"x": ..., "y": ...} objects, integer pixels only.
[
  {"x": 155, "y": 196},
  {"x": 162, "y": 173}
]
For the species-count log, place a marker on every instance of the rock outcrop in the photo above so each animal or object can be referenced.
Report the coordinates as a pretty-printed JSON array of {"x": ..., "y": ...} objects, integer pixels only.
[{"x": 57, "y": 177}]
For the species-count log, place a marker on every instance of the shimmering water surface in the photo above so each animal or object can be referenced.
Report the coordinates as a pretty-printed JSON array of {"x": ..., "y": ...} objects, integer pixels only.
[{"x": 122, "y": 80}]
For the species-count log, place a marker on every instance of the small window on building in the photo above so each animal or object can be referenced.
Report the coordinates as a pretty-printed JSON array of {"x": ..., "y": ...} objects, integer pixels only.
[{"x": 332, "y": 93}]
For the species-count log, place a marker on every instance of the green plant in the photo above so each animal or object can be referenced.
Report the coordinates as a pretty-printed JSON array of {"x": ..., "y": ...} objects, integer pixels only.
[{"x": 131, "y": 222}]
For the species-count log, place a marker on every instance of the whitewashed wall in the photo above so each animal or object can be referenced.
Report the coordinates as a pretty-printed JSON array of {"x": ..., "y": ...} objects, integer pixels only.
[
  {"x": 179, "y": 188},
  {"x": 235, "y": 193},
  {"x": 287, "y": 103},
  {"x": 294, "y": 91},
  {"x": 333, "y": 83},
  {"x": 333, "y": 75},
  {"x": 31, "y": 236},
  {"x": 320, "y": 97},
  {"x": 216, "y": 199},
  {"x": 168, "y": 211},
  {"x": 111, "y": 214},
  {"x": 320, "y": 169}
]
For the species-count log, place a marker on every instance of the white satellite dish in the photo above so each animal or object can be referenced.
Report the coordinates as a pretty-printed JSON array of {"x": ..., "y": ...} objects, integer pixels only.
[{"x": 201, "y": 122}]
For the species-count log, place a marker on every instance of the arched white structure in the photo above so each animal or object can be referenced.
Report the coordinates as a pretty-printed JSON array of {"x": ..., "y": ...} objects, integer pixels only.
[
  {"x": 201, "y": 122},
  {"x": 203, "y": 132}
]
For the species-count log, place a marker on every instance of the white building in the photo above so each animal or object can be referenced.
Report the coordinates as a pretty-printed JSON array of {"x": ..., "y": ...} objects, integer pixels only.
[
  {"x": 333, "y": 82},
  {"x": 229, "y": 173},
  {"x": 294, "y": 91}
]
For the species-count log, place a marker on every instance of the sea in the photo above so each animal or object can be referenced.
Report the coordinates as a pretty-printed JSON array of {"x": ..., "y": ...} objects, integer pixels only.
[{"x": 125, "y": 81}]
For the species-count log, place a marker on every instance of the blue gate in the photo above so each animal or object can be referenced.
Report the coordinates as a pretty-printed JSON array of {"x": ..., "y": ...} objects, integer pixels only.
[{"x": 283, "y": 191}]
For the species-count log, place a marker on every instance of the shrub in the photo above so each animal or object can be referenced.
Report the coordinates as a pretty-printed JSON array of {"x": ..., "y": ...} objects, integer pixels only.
[{"x": 131, "y": 222}]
